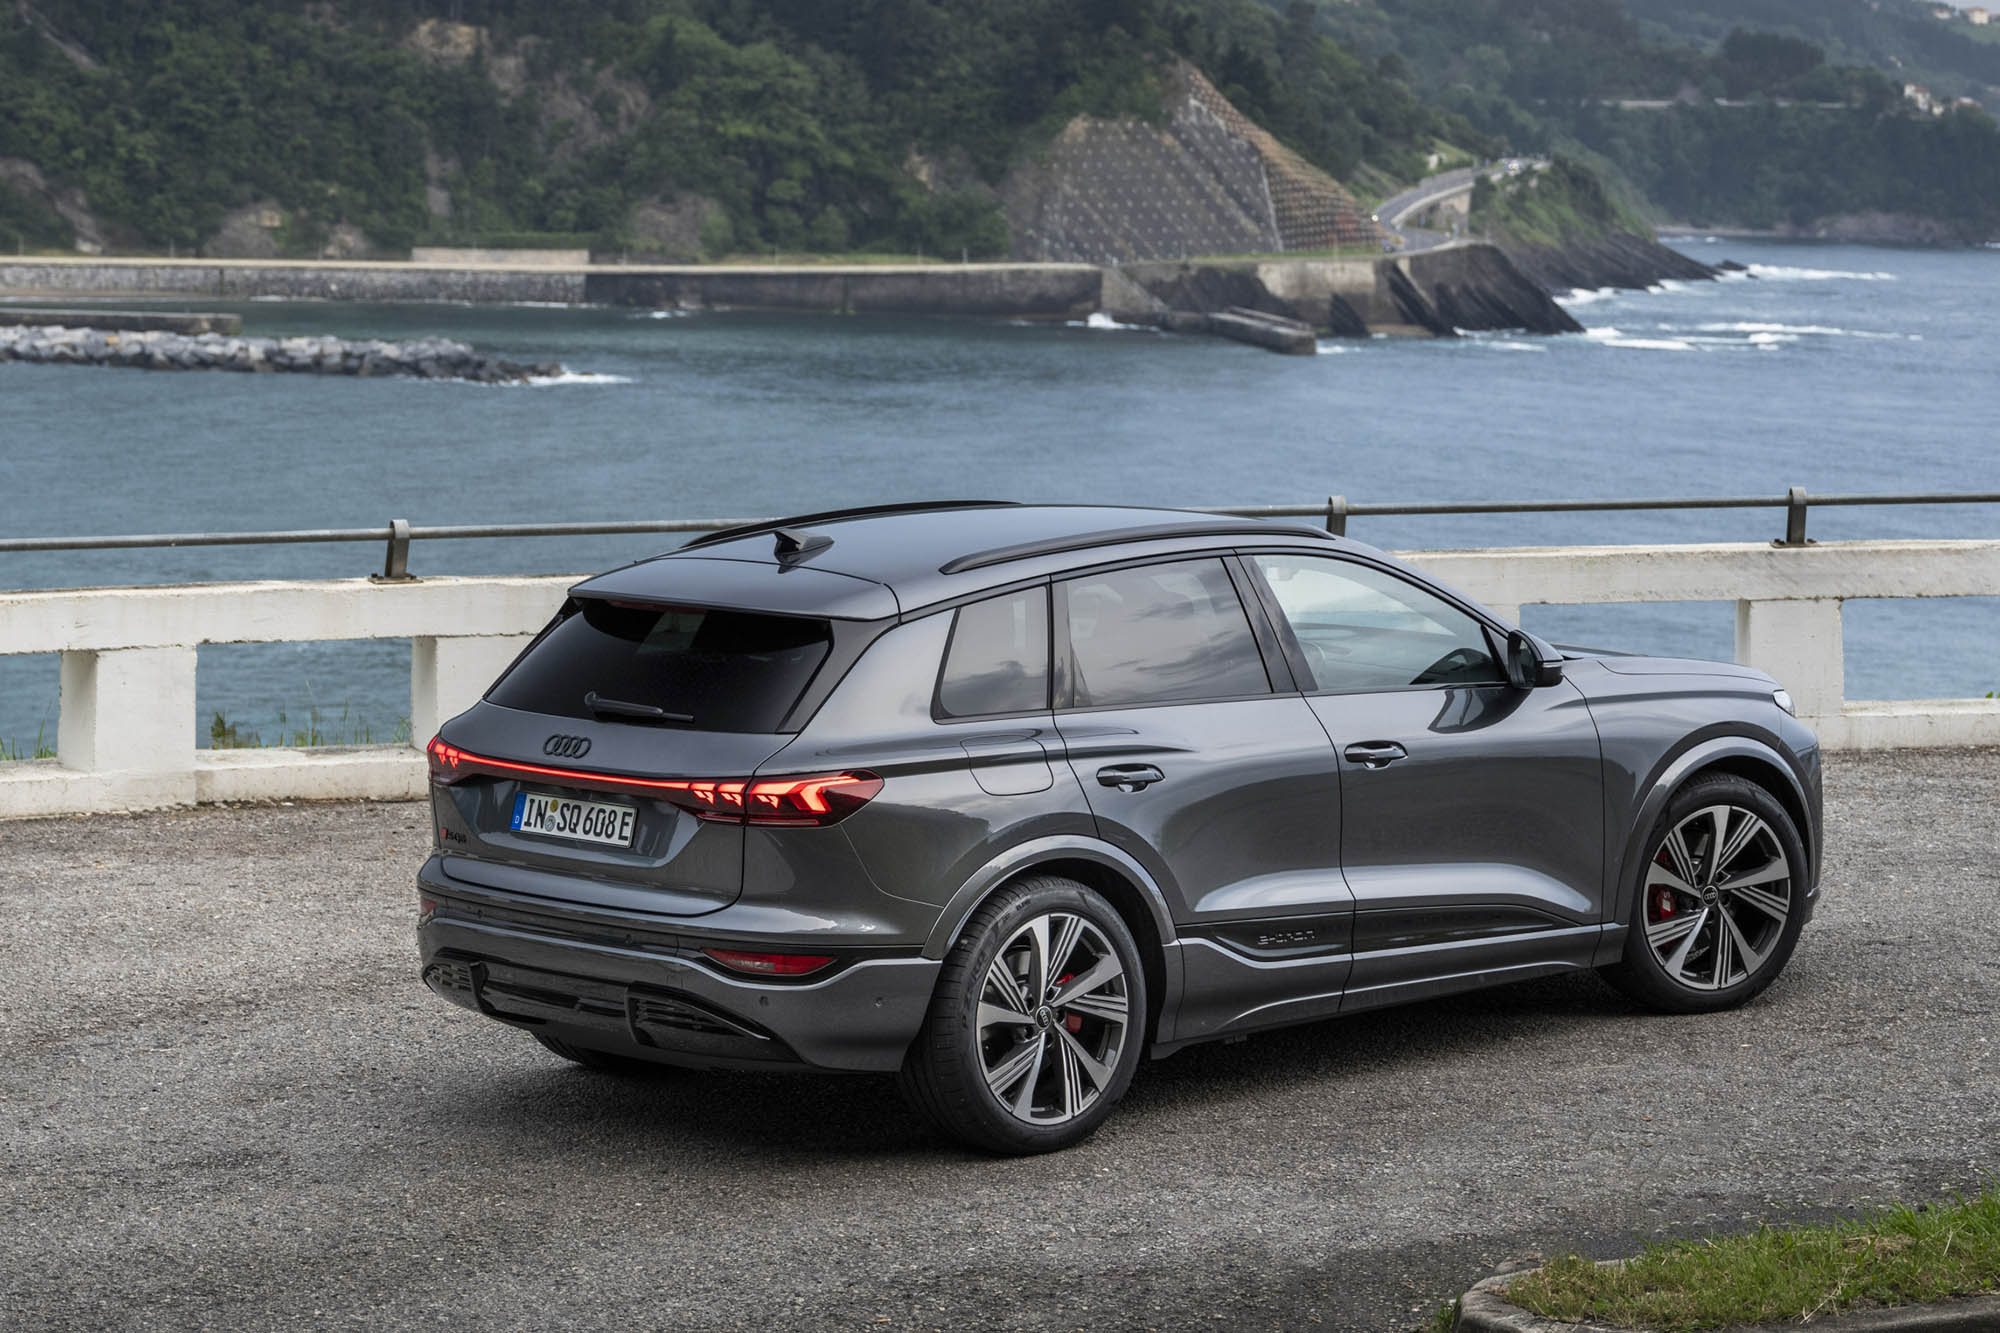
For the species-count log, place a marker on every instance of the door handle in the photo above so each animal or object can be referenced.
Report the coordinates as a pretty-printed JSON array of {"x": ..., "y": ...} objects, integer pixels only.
[
  {"x": 1374, "y": 754},
  {"x": 1129, "y": 777}
]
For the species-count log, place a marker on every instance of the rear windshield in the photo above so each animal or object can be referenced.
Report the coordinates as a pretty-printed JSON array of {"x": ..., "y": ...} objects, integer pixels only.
[{"x": 712, "y": 670}]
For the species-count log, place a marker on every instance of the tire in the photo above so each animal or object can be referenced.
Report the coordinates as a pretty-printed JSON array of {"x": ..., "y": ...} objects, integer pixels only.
[
  {"x": 1678, "y": 958},
  {"x": 602, "y": 1062},
  {"x": 1047, "y": 1076}
]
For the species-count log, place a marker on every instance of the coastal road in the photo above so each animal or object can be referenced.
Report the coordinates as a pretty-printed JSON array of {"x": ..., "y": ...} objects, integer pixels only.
[
  {"x": 227, "y": 1102},
  {"x": 1434, "y": 190}
]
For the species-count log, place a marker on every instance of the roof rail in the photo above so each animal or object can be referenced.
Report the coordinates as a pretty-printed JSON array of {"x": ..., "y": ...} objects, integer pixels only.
[
  {"x": 1080, "y": 541},
  {"x": 832, "y": 515}
]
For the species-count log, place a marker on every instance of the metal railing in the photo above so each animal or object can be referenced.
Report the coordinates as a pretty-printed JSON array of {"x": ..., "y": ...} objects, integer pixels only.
[{"x": 1335, "y": 512}]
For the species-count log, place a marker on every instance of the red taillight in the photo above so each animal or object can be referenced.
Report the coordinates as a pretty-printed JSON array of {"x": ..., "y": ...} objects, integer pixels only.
[
  {"x": 769, "y": 964},
  {"x": 446, "y": 761},
  {"x": 817, "y": 799},
  {"x": 824, "y": 798}
]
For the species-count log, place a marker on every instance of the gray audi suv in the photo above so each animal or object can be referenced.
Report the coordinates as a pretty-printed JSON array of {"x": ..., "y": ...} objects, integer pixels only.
[{"x": 1003, "y": 798}]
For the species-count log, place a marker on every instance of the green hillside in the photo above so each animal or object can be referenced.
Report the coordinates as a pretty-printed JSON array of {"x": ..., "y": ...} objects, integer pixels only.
[
  {"x": 1899, "y": 37},
  {"x": 1758, "y": 128},
  {"x": 703, "y": 126}
]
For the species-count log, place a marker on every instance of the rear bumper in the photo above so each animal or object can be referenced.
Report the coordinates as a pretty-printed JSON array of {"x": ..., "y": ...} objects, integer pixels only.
[{"x": 661, "y": 1001}]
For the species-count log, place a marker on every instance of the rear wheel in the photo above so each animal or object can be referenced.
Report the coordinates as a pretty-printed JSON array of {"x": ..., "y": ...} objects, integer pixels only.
[
  {"x": 1719, "y": 900},
  {"x": 602, "y": 1062},
  {"x": 1037, "y": 1022}
]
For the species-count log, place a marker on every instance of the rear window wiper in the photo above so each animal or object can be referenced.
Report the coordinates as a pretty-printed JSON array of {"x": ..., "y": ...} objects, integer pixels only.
[{"x": 597, "y": 703}]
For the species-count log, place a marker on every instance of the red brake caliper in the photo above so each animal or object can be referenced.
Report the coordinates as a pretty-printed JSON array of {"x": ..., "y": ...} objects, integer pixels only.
[
  {"x": 1662, "y": 905},
  {"x": 1074, "y": 1022}
]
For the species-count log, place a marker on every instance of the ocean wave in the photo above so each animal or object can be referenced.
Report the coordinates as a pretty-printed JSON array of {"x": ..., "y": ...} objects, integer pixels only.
[
  {"x": 1611, "y": 337},
  {"x": 1585, "y": 296},
  {"x": 1818, "y": 330},
  {"x": 1100, "y": 320},
  {"x": 663, "y": 314},
  {"x": 570, "y": 377},
  {"x": 1786, "y": 273}
]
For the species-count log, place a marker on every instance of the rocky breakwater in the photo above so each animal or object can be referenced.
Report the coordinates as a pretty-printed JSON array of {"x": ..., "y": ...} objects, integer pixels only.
[
  {"x": 1616, "y": 259},
  {"x": 426, "y": 358}
]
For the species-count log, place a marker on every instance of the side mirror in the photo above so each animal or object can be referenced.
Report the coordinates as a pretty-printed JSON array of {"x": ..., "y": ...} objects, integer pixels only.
[{"x": 1527, "y": 667}]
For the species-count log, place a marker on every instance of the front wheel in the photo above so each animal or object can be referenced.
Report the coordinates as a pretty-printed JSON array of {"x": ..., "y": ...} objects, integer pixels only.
[
  {"x": 1036, "y": 1024},
  {"x": 1719, "y": 901}
]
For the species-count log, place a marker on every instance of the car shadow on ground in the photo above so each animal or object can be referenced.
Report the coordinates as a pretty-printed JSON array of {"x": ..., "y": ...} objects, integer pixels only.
[{"x": 861, "y": 1117}]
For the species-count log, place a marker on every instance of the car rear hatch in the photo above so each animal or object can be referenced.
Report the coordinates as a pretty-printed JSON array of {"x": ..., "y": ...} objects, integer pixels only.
[{"x": 612, "y": 763}]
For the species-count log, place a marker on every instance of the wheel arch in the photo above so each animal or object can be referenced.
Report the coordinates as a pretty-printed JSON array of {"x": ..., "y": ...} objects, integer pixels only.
[
  {"x": 1122, "y": 882},
  {"x": 1740, "y": 756}
]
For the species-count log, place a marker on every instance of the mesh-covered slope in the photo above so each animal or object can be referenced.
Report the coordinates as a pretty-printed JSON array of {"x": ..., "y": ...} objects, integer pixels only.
[{"x": 1207, "y": 182}]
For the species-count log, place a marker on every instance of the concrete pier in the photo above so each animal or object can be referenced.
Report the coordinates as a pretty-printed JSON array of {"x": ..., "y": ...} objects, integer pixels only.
[{"x": 190, "y": 323}]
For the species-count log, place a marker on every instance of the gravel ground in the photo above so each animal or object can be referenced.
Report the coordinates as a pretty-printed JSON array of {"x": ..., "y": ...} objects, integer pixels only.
[{"x": 226, "y": 1101}]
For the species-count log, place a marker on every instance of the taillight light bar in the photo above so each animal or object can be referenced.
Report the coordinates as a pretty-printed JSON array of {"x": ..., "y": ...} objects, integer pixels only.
[{"x": 815, "y": 799}]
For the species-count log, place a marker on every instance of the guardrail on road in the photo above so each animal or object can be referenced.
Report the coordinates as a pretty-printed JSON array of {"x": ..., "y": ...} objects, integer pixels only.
[{"x": 126, "y": 728}]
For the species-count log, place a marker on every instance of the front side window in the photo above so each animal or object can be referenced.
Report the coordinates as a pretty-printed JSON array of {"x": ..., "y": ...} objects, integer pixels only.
[
  {"x": 998, "y": 661},
  {"x": 1362, "y": 629},
  {"x": 1161, "y": 634}
]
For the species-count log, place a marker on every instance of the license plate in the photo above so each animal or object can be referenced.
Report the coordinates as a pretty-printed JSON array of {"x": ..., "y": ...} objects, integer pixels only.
[{"x": 544, "y": 816}]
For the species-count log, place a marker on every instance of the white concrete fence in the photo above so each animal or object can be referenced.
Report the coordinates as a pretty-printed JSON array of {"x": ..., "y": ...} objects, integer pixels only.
[{"x": 126, "y": 733}]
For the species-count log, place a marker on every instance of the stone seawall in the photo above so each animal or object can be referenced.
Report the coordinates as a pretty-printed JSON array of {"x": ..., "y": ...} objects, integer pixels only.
[
  {"x": 245, "y": 281},
  {"x": 1432, "y": 293},
  {"x": 1018, "y": 291}
]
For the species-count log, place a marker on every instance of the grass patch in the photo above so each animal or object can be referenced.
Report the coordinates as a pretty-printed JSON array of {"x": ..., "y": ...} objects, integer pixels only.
[
  {"x": 1782, "y": 1274},
  {"x": 314, "y": 729},
  {"x": 851, "y": 259},
  {"x": 1369, "y": 251},
  {"x": 15, "y": 751}
]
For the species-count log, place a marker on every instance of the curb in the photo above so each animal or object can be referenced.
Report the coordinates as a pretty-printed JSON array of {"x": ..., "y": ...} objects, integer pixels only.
[{"x": 1485, "y": 1309}]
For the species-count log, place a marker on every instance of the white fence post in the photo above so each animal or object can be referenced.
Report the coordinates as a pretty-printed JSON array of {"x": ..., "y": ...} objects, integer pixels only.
[
  {"x": 1799, "y": 644},
  {"x": 130, "y": 711},
  {"x": 447, "y": 676}
]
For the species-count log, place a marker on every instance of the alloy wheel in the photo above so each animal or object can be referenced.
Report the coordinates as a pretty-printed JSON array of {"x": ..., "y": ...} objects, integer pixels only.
[
  {"x": 1054, "y": 1010},
  {"x": 1718, "y": 895}
]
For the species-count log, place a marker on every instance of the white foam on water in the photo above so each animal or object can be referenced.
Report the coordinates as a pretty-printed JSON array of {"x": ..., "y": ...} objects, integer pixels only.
[
  {"x": 1100, "y": 320},
  {"x": 569, "y": 377},
  {"x": 1819, "y": 330},
  {"x": 1786, "y": 273},
  {"x": 663, "y": 314},
  {"x": 1772, "y": 339},
  {"x": 1612, "y": 337},
  {"x": 1585, "y": 296}
]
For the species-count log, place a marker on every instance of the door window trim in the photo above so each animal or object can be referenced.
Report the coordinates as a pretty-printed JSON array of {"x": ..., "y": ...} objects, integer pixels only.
[{"x": 1267, "y": 599}]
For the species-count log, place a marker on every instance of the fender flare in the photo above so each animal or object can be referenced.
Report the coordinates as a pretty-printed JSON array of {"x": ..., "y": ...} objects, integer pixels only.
[
  {"x": 1667, "y": 778},
  {"x": 1022, "y": 856}
]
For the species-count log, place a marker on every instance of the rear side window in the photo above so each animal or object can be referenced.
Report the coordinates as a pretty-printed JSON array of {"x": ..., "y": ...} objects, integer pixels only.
[
  {"x": 709, "y": 669},
  {"x": 1161, "y": 634},
  {"x": 998, "y": 661}
]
